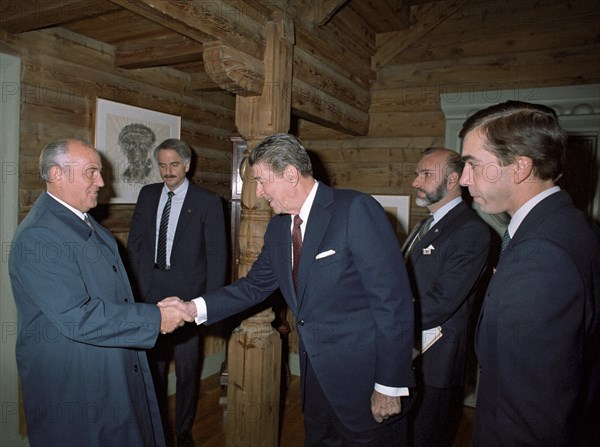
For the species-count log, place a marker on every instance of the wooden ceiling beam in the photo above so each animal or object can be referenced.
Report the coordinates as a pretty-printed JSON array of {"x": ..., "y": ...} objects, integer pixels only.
[
  {"x": 168, "y": 49},
  {"x": 18, "y": 16},
  {"x": 204, "y": 21},
  {"x": 322, "y": 11},
  {"x": 317, "y": 106},
  {"x": 396, "y": 43},
  {"x": 201, "y": 81},
  {"x": 383, "y": 15},
  {"x": 233, "y": 70}
]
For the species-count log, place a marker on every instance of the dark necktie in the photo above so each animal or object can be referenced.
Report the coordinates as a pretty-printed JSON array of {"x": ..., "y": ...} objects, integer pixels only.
[
  {"x": 505, "y": 241},
  {"x": 417, "y": 235},
  {"x": 161, "y": 251},
  {"x": 296, "y": 248}
]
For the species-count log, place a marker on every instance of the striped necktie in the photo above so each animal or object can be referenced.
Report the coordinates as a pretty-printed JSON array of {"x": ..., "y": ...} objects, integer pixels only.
[{"x": 161, "y": 251}]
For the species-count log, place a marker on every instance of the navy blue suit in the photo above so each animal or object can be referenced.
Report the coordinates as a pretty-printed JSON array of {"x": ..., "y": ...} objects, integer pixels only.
[
  {"x": 353, "y": 307},
  {"x": 198, "y": 263},
  {"x": 538, "y": 337},
  {"x": 445, "y": 281}
]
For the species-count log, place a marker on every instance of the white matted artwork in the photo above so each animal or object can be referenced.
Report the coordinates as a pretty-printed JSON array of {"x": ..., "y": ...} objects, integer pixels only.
[
  {"x": 126, "y": 137},
  {"x": 398, "y": 210}
]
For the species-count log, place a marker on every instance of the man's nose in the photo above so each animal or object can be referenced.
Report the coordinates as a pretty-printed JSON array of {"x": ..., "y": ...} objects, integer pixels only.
[{"x": 466, "y": 177}]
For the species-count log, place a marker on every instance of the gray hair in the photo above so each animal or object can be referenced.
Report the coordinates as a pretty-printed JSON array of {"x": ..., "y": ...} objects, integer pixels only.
[
  {"x": 279, "y": 151},
  {"x": 53, "y": 153},
  {"x": 179, "y": 146}
]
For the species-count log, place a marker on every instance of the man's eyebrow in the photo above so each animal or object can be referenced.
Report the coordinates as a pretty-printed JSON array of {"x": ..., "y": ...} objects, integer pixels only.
[{"x": 466, "y": 158}]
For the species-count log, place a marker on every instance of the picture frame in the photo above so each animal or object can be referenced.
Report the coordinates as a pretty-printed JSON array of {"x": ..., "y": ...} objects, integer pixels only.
[
  {"x": 397, "y": 209},
  {"x": 126, "y": 136}
]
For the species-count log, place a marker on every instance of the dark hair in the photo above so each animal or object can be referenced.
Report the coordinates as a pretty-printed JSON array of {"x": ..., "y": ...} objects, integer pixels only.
[
  {"x": 280, "y": 150},
  {"x": 515, "y": 128},
  {"x": 454, "y": 162},
  {"x": 179, "y": 146},
  {"x": 52, "y": 153}
]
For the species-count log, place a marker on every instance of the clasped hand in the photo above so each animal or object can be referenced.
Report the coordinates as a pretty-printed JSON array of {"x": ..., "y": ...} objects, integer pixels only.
[
  {"x": 383, "y": 407},
  {"x": 175, "y": 313}
]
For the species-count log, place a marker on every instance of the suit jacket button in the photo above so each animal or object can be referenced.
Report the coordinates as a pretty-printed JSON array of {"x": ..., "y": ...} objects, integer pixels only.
[
  {"x": 126, "y": 300},
  {"x": 114, "y": 268},
  {"x": 135, "y": 368},
  {"x": 301, "y": 322}
]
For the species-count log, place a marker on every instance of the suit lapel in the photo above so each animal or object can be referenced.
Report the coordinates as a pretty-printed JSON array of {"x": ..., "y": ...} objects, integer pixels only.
[
  {"x": 547, "y": 206},
  {"x": 188, "y": 210},
  {"x": 152, "y": 213},
  {"x": 434, "y": 233},
  {"x": 318, "y": 221}
]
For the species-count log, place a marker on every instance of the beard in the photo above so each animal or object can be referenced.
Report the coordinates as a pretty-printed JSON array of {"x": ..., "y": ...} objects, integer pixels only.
[{"x": 433, "y": 197}]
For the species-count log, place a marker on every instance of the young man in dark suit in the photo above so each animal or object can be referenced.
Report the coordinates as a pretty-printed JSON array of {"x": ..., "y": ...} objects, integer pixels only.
[
  {"x": 177, "y": 246},
  {"x": 538, "y": 337},
  {"x": 351, "y": 298},
  {"x": 444, "y": 265}
]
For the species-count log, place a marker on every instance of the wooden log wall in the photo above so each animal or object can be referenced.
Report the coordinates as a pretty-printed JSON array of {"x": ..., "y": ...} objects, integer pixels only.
[
  {"x": 64, "y": 73},
  {"x": 485, "y": 45},
  {"x": 482, "y": 45}
]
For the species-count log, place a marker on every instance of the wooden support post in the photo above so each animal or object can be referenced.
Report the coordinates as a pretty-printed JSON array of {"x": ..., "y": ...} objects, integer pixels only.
[{"x": 254, "y": 358}]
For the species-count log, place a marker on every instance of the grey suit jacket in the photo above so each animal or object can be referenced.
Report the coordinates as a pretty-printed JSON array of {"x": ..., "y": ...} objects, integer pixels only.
[{"x": 81, "y": 337}]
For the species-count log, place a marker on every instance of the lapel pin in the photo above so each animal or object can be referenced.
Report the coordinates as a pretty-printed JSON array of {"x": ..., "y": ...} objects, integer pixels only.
[{"x": 428, "y": 250}]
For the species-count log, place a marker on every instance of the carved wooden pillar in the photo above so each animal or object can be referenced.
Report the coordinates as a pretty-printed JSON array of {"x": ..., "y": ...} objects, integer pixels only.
[{"x": 254, "y": 357}]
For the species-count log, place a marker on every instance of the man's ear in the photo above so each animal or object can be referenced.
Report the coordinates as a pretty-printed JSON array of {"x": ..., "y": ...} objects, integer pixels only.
[
  {"x": 452, "y": 180},
  {"x": 56, "y": 175},
  {"x": 291, "y": 174},
  {"x": 523, "y": 168}
]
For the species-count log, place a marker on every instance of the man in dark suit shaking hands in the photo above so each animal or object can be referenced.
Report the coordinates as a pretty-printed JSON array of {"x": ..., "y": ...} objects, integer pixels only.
[
  {"x": 346, "y": 283},
  {"x": 538, "y": 337},
  {"x": 445, "y": 265},
  {"x": 177, "y": 246}
]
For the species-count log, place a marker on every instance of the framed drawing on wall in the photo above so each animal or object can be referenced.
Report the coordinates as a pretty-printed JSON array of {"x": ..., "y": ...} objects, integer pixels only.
[
  {"x": 126, "y": 137},
  {"x": 398, "y": 210}
]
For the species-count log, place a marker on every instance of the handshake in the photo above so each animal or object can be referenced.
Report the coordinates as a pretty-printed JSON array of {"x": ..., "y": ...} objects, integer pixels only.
[{"x": 175, "y": 313}]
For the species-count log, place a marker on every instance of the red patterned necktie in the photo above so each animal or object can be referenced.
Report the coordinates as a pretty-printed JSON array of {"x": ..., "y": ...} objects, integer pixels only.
[{"x": 296, "y": 248}]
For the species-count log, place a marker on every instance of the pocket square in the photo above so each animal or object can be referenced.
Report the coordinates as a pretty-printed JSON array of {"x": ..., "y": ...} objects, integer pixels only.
[
  {"x": 428, "y": 250},
  {"x": 325, "y": 254}
]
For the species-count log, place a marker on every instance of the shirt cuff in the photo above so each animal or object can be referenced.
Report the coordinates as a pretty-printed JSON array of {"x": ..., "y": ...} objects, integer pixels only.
[
  {"x": 202, "y": 315},
  {"x": 391, "y": 391}
]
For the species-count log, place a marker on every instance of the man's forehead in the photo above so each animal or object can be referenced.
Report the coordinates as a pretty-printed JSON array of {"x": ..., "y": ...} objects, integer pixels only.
[
  {"x": 260, "y": 170},
  {"x": 431, "y": 162}
]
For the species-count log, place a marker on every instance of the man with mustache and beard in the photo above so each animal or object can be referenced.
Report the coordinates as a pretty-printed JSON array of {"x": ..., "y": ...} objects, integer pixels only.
[
  {"x": 445, "y": 264},
  {"x": 177, "y": 246}
]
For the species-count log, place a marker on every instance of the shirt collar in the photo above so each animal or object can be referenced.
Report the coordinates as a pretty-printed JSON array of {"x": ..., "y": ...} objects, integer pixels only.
[
  {"x": 442, "y": 211},
  {"x": 308, "y": 203},
  {"x": 76, "y": 211},
  {"x": 522, "y": 212},
  {"x": 181, "y": 190}
]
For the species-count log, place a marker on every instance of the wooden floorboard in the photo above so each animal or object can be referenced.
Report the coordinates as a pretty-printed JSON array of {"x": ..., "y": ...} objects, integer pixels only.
[{"x": 209, "y": 425}]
